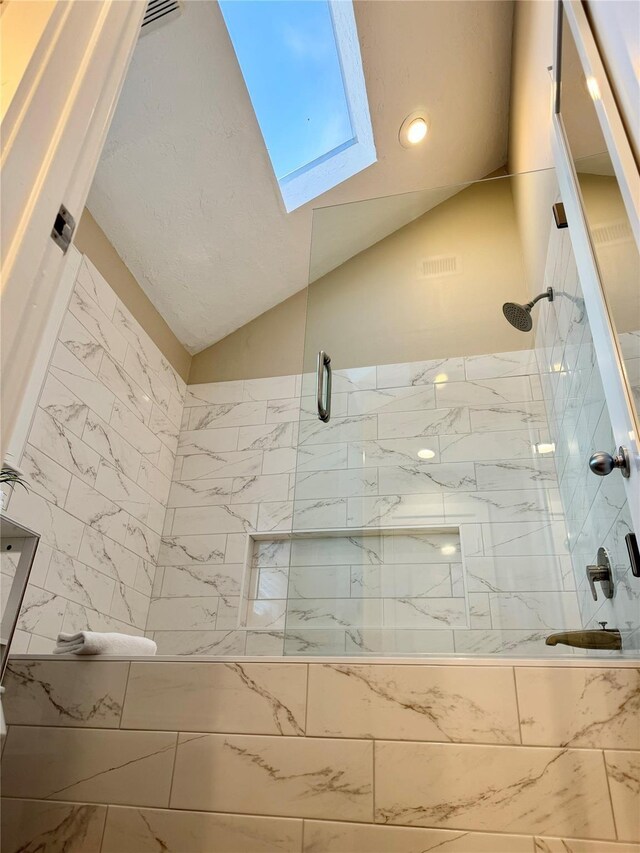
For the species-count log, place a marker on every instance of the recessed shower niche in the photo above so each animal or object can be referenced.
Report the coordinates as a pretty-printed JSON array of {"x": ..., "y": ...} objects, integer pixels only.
[{"x": 355, "y": 591}]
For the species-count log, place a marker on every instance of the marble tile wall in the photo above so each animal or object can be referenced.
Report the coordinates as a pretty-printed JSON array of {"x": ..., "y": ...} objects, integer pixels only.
[
  {"x": 98, "y": 462},
  {"x": 595, "y": 508},
  {"x": 252, "y": 456},
  {"x": 217, "y": 757}
]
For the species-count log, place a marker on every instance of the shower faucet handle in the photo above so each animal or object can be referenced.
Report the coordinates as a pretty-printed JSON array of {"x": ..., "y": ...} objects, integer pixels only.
[
  {"x": 601, "y": 573},
  {"x": 603, "y": 463}
]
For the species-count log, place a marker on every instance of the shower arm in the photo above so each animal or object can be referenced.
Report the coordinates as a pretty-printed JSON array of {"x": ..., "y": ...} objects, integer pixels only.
[{"x": 548, "y": 294}]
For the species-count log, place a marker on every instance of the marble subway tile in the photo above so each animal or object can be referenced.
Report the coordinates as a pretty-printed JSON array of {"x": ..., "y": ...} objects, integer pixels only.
[
  {"x": 279, "y": 776},
  {"x": 98, "y": 512},
  {"x": 224, "y": 464},
  {"x": 65, "y": 693},
  {"x": 428, "y": 546},
  {"x": 190, "y": 550},
  {"x": 419, "y": 478},
  {"x": 74, "y": 581},
  {"x": 484, "y": 391},
  {"x": 323, "y": 457},
  {"x": 63, "y": 406},
  {"x": 248, "y": 490},
  {"x": 336, "y": 484},
  {"x": 489, "y": 446},
  {"x": 317, "y": 581},
  {"x": 579, "y": 845},
  {"x": 188, "y": 493},
  {"x": 65, "y": 448},
  {"x": 221, "y": 580},
  {"x": 77, "y": 617},
  {"x": 41, "y": 612},
  {"x": 33, "y": 825},
  {"x": 77, "y": 378},
  {"x": 81, "y": 343},
  {"x": 396, "y": 510},
  {"x": 312, "y": 641},
  {"x": 130, "y": 830},
  {"x": 392, "y": 452},
  {"x": 524, "y": 538},
  {"x": 509, "y": 790},
  {"x": 280, "y": 460},
  {"x": 271, "y": 614},
  {"x": 227, "y": 415},
  {"x": 397, "y": 641},
  {"x": 421, "y": 423},
  {"x": 623, "y": 771},
  {"x": 191, "y": 613},
  {"x": 130, "y": 427},
  {"x": 420, "y": 372},
  {"x": 57, "y": 528},
  {"x": 130, "y": 606},
  {"x": 515, "y": 416},
  {"x": 90, "y": 765},
  {"x": 338, "y": 430},
  {"x": 138, "y": 368},
  {"x": 410, "y": 399},
  {"x": 517, "y": 363},
  {"x": 200, "y": 642},
  {"x": 332, "y": 837},
  {"x": 516, "y": 574},
  {"x": 461, "y": 704},
  {"x": 424, "y": 613},
  {"x": 399, "y": 581},
  {"x": 44, "y": 476},
  {"x": 333, "y": 613},
  {"x": 206, "y": 393},
  {"x": 164, "y": 428},
  {"x": 97, "y": 287},
  {"x": 269, "y": 388},
  {"x": 516, "y": 475},
  {"x": 142, "y": 540},
  {"x": 108, "y": 556},
  {"x": 596, "y": 707},
  {"x": 154, "y": 482},
  {"x": 276, "y": 516},
  {"x": 321, "y": 513},
  {"x": 535, "y": 610},
  {"x": 97, "y": 323},
  {"x": 215, "y": 519},
  {"x": 266, "y": 436},
  {"x": 121, "y": 385},
  {"x": 513, "y": 505},
  {"x": 218, "y": 697},
  {"x": 340, "y": 550},
  {"x": 111, "y": 446}
]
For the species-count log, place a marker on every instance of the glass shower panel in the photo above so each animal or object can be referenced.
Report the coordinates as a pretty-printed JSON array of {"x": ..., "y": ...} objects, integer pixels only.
[{"x": 428, "y": 516}]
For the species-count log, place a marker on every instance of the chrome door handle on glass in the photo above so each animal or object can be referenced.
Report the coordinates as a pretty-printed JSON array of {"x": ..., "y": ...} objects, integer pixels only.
[
  {"x": 602, "y": 463},
  {"x": 324, "y": 391}
]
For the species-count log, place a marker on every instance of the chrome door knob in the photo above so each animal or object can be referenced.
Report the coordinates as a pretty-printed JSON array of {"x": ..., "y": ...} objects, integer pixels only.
[{"x": 602, "y": 463}]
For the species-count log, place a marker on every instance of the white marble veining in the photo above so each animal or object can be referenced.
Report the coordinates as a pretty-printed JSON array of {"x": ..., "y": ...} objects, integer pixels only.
[{"x": 98, "y": 466}]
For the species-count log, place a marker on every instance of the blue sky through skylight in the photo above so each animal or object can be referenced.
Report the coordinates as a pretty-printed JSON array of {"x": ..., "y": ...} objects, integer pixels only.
[{"x": 288, "y": 56}]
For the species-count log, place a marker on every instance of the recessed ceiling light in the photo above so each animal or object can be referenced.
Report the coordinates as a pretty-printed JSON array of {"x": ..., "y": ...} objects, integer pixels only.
[
  {"x": 441, "y": 377},
  {"x": 425, "y": 453},
  {"x": 413, "y": 129},
  {"x": 447, "y": 550}
]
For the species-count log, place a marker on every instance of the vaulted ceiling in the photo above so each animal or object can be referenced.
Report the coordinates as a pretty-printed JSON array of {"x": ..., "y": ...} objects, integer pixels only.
[{"x": 185, "y": 190}]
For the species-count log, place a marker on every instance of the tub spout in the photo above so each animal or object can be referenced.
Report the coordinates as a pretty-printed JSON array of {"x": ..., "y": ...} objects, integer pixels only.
[{"x": 607, "y": 638}]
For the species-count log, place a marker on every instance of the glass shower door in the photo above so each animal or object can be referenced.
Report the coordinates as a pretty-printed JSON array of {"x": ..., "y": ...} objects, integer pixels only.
[{"x": 431, "y": 506}]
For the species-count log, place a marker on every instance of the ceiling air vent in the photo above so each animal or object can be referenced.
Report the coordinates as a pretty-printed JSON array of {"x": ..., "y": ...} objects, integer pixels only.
[
  {"x": 160, "y": 12},
  {"x": 611, "y": 232},
  {"x": 438, "y": 266}
]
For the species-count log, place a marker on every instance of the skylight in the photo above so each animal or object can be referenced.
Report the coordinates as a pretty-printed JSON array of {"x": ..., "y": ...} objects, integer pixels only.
[{"x": 302, "y": 67}]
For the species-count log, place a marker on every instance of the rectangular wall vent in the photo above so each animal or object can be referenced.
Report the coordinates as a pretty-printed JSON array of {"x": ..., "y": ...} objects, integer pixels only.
[
  {"x": 438, "y": 266},
  {"x": 611, "y": 232},
  {"x": 160, "y": 12}
]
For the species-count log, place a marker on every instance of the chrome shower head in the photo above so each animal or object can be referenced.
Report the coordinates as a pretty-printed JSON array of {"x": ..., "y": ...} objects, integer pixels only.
[{"x": 520, "y": 315}]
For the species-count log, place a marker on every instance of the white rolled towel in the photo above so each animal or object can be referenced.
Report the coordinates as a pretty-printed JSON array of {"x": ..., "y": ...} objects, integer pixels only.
[{"x": 95, "y": 643}]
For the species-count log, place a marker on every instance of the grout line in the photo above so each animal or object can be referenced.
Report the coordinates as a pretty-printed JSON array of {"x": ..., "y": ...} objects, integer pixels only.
[
  {"x": 613, "y": 811},
  {"x": 173, "y": 769},
  {"x": 515, "y": 687},
  {"x": 104, "y": 826}
]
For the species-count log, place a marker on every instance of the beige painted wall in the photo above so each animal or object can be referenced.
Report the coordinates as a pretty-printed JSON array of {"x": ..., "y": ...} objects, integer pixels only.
[
  {"x": 270, "y": 345},
  {"x": 374, "y": 309},
  {"x": 91, "y": 240},
  {"x": 530, "y": 133}
]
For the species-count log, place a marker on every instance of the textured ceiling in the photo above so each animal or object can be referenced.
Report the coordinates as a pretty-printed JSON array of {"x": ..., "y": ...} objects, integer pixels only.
[{"x": 185, "y": 190}]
